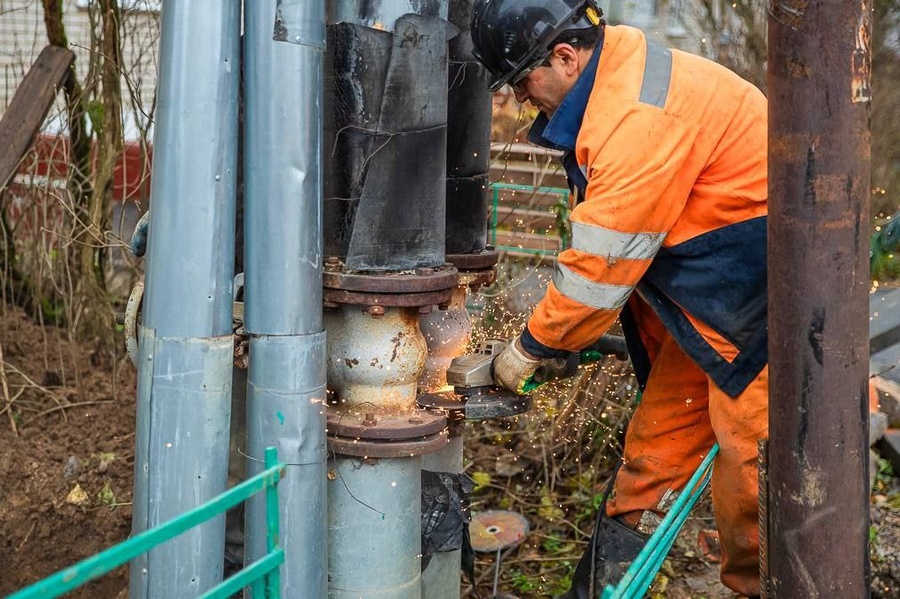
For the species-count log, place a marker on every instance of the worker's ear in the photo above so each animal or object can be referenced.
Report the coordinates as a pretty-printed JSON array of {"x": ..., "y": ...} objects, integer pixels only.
[{"x": 567, "y": 57}]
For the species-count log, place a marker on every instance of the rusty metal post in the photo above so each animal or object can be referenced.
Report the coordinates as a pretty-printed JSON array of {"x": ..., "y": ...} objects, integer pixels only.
[{"x": 819, "y": 99}]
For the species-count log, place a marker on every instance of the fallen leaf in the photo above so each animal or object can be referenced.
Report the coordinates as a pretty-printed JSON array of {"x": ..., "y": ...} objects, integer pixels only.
[{"x": 77, "y": 496}]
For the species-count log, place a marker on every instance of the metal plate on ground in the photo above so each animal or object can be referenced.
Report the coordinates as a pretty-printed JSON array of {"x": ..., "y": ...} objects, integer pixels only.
[{"x": 497, "y": 529}]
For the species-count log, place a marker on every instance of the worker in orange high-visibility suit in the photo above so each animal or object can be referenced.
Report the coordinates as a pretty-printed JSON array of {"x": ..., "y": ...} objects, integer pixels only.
[{"x": 666, "y": 158}]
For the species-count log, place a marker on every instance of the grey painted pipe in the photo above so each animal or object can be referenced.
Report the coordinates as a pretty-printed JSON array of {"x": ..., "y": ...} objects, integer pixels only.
[
  {"x": 284, "y": 53},
  {"x": 373, "y": 516},
  {"x": 184, "y": 367},
  {"x": 374, "y": 521}
]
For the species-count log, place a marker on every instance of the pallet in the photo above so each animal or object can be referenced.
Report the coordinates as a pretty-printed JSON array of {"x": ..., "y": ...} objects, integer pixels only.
[{"x": 528, "y": 185}]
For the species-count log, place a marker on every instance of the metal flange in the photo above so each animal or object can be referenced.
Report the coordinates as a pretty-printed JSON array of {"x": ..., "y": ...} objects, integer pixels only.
[
  {"x": 388, "y": 449},
  {"x": 407, "y": 281},
  {"x": 334, "y": 297},
  {"x": 420, "y": 287},
  {"x": 388, "y": 435},
  {"x": 373, "y": 426},
  {"x": 482, "y": 260}
]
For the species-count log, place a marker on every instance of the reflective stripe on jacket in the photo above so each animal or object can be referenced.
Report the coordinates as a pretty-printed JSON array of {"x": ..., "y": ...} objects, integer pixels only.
[{"x": 666, "y": 156}]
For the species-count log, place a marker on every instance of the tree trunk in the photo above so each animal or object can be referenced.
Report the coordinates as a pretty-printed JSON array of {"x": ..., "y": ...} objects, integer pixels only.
[
  {"x": 90, "y": 310},
  {"x": 79, "y": 140},
  {"x": 15, "y": 287},
  {"x": 94, "y": 249}
]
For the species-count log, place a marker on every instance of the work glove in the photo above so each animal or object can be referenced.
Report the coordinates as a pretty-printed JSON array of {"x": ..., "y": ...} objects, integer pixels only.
[
  {"x": 139, "y": 237},
  {"x": 514, "y": 370}
]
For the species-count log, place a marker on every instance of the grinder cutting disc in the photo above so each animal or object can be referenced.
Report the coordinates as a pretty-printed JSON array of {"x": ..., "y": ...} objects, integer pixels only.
[
  {"x": 497, "y": 529},
  {"x": 478, "y": 404}
]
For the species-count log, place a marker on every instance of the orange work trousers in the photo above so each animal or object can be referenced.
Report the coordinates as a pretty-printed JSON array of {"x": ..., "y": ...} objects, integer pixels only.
[{"x": 681, "y": 415}]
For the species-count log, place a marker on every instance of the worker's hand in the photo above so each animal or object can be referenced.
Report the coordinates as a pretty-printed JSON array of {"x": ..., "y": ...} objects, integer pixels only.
[
  {"x": 514, "y": 369},
  {"x": 562, "y": 368},
  {"x": 139, "y": 237}
]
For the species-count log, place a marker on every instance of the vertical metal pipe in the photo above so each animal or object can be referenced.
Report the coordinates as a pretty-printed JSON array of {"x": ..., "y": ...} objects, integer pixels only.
[
  {"x": 384, "y": 211},
  {"x": 374, "y": 504},
  {"x": 447, "y": 333},
  {"x": 373, "y": 516},
  {"x": 184, "y": 380},
  {"x": 819, "y": 70},
  {"x": 284, "y": 51}
]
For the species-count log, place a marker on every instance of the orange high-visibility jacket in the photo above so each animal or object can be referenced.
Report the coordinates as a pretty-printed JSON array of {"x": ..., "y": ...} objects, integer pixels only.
[{"x": 666, "y": 156}]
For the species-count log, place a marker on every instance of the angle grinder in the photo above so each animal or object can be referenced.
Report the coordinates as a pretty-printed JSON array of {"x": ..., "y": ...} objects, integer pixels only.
[
  {"x": 474, "y": 392},
  {"x": 472, "y": 379}
]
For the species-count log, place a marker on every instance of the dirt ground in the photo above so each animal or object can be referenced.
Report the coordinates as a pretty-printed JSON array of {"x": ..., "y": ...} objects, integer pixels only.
[{"x": 66, "y": 480}]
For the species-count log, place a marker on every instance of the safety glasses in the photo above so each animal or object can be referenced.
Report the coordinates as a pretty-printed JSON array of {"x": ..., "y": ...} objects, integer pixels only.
[{"x": 516, "y": 81}]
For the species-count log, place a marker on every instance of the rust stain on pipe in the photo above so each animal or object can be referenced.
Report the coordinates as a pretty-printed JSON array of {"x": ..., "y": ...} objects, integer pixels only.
[
  {"x": 789, "y": 12},
  {"x": 791, "y": 147}
]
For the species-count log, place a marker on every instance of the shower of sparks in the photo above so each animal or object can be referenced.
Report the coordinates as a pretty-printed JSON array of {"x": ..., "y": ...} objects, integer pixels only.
[{"x": 552, "y": 463}]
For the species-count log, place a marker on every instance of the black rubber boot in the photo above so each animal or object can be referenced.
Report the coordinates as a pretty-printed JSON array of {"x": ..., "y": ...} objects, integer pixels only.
[{"x": 614, "y": 546}]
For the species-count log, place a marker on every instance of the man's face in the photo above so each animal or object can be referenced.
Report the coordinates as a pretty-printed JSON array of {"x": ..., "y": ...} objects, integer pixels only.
[{"x": 546, "y": 86}]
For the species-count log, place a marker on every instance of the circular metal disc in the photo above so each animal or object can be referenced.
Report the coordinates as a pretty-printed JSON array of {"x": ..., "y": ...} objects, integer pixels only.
[{"x": 497, "y": 529}]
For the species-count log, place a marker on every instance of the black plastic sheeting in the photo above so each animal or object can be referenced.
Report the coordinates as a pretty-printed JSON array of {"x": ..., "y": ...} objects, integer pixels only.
[
  {"x": 468, "y": 140},
  {"x": 385, "y": 144},
  {"x": 445, "y": 517},
  {"x": 372, "y": 12}
]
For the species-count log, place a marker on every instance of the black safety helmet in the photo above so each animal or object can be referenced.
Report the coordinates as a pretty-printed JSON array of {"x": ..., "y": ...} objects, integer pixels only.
[{"x": 511, "y": 36}]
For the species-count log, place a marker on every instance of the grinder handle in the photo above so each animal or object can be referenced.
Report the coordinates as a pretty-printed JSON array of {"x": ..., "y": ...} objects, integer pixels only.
[{"x": 561, "y": 368}]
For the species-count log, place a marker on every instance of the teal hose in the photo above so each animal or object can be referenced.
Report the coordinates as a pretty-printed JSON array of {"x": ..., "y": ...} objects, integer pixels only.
[{"x": 643, "y": 570}]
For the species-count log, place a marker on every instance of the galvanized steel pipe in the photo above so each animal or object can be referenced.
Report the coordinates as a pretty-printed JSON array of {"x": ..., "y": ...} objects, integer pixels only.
[
  {"x": 373, "y": 518},
  {"x": 284, "y": 54},
  {"x": 819, "y": 104},
  {"x": 185, "y": 354}
]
